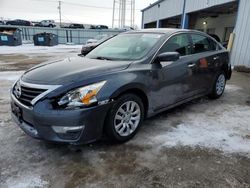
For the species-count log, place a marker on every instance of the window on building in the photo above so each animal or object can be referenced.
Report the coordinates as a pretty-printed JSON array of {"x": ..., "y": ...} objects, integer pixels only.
[
  {"x": 179, "y": 43},
  {"x": 211, "y": 31}
]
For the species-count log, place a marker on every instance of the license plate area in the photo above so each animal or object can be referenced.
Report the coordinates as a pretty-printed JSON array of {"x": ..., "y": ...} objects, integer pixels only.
[{"x": 17, "y": 111}]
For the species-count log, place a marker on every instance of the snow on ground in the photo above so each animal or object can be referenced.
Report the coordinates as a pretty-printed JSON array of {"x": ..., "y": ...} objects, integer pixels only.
[
  {"x": 232, "y": 88},
  {"x": 230, "y": 133},
  {"x": 31, "y": 49},
  {"x": 10, "y": 75},
  {"x": 29, "y": 181},
  {"x": 225, "y": 127}
]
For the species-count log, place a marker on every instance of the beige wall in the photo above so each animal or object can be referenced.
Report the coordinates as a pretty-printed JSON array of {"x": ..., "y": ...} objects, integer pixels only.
[{"x": 219, "y": 24}]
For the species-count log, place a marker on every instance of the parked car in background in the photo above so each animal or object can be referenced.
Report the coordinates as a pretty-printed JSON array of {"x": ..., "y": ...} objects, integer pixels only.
[
  {"x": 2, "y": 22},
  {"x": 216, "y": 37},
  {"x": 19, "y": 22},
  {"x": 225, "y": 44},
  {"x": 130, "y": 77},
  {"x": 101, "y": 27},
  {"x": 46, "y": 23},
  {"x": 90, "y": 46},
  {"x": 127, "y": 28},
  {"x": 98, "y": 38},
  {"x": 35, "y": 23},
  {"x": 76, "y": 26},
  {"x": 91, "y": 27}
]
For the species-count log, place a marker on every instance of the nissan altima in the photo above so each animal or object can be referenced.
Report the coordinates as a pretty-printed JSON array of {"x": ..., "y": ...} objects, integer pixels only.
[{"x": 126, "y": 79}]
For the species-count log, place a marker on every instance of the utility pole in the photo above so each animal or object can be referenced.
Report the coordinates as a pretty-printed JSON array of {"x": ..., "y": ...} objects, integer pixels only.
[
  {"x": 132, "y": 13},
  {"x": 113, "y": 17},
  {"x": 123, "y": 13},
  {"x": 60, "y": 12}
]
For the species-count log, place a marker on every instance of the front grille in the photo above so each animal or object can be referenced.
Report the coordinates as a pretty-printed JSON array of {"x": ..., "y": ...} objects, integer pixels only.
[{"x": 28, "y": 94}]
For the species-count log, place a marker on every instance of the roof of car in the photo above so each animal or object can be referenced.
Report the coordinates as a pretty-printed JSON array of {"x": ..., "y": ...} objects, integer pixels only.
[{"x": 160, "y": 31}]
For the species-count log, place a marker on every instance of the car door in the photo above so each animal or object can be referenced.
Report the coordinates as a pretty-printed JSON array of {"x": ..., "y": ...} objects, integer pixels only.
[
  {"x": 171, "y": 80},
  {"x": 205, "y": 58}
]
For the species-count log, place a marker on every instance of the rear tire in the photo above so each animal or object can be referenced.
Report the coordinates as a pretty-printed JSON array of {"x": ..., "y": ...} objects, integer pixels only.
[
  {"x": 218, "y": 86},
  {"x": 125, "y": 117}
]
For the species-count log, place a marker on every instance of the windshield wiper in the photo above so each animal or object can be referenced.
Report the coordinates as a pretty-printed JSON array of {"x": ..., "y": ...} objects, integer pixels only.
[{"x": 103, "y": 58}]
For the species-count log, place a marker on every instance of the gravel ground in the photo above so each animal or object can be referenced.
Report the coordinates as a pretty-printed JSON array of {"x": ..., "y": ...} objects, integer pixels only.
[{"x": 204, "y": 143}]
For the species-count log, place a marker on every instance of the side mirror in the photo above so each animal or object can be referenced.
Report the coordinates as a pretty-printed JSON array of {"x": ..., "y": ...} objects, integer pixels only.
[
  {"x": 87, "y": 48},
  {"x": 168, "y": 56}
]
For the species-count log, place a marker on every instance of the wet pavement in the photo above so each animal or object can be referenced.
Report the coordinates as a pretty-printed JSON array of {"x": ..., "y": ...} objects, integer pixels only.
[{"x": 204, "y": 143}]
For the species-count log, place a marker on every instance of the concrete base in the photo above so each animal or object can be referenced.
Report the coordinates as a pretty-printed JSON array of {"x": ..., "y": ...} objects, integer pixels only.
[{"x": 242, "y": 69}]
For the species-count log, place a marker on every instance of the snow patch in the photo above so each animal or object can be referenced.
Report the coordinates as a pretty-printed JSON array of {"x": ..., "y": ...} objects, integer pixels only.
[
  {"x": 31, "y": 49},
  {"x": 232, "y": 88},
  {"x": 29, "y": 181},
  {"x": 228, "y": 130},
  {"x": 10, "y": 75}
]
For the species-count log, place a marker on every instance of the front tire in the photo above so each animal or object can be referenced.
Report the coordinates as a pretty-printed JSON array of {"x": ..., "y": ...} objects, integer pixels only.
[
  {"x": 125, "y": 117},
  {"x": 219, "y": 86}
]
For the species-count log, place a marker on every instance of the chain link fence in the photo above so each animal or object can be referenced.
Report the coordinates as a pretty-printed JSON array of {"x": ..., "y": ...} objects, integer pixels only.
[{"x": 65, "y": 35}]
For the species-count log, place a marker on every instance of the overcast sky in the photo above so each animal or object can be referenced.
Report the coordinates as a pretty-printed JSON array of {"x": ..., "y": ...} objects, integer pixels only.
[{"x": 82, "y": 11}]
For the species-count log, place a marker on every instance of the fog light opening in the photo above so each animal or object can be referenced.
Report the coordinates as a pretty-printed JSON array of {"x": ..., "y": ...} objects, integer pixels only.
[{"x": 64, "y": 130}]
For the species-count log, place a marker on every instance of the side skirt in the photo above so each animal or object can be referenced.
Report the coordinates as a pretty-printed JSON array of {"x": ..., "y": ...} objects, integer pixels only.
[{"x": 176, "y": 104}]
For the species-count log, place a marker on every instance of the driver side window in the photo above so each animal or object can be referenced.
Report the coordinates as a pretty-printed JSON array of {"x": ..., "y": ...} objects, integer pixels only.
[{"x": 178, "y": 43}]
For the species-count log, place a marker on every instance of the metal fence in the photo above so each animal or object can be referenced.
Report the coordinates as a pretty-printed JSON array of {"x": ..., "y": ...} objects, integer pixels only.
[{"x": 65, "y": 35}]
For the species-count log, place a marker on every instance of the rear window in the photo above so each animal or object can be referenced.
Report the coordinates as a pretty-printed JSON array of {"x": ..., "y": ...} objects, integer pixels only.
[{"x": 202, "y": 44}]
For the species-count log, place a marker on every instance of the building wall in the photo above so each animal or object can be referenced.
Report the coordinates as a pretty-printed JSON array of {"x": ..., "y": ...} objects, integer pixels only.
[
  {"x": 168, "y": 8},
  {"x": 240, "y": 53},
  {"x": 171, "y": 8},
  {"x": 195, "y": 5},
  {"x": 219, "y": 24}
]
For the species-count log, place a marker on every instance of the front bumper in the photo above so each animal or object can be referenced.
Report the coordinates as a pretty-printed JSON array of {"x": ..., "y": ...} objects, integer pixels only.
[
  {"x": 38, "y": 122},
  {"x": 229, "y": 73}
]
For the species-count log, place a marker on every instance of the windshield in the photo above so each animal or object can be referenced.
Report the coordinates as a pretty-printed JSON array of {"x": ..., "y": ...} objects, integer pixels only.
[{"x": 125, "y": 47}]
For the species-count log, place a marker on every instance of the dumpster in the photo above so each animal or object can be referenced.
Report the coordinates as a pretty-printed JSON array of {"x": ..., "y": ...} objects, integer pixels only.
[
  {"x": 45, "y": 39},
  {"x": 10, "y": 36}
]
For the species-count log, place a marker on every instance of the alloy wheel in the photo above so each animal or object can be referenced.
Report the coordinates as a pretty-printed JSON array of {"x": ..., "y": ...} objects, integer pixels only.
[
  {"x": 127, "y": 118},
  {"x": 220, "y": 84}
]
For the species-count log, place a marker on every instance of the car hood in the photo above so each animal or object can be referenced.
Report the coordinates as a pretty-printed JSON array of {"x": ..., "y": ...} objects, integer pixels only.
[{"x": 71, "y": 70}]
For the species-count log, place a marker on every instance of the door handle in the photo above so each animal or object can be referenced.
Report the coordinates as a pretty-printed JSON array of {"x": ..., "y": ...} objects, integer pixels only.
[
  {"x": 191, "y": 65},
  {"x": 216, "y": 58}
]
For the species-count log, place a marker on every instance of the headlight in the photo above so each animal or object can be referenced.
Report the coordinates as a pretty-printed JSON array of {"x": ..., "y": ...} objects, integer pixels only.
[{"x": 83, "y": 96}]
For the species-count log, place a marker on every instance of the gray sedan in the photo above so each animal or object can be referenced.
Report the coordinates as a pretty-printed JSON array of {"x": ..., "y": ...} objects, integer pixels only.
[{"x": 131, "y": 76}]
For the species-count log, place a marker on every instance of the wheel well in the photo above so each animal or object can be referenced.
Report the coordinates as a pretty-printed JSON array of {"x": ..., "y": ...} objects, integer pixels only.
[
  {"x": 224, "y": 68},
  {"x": 140, "y": 94},
  {"x": 226, "y": 71}
]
